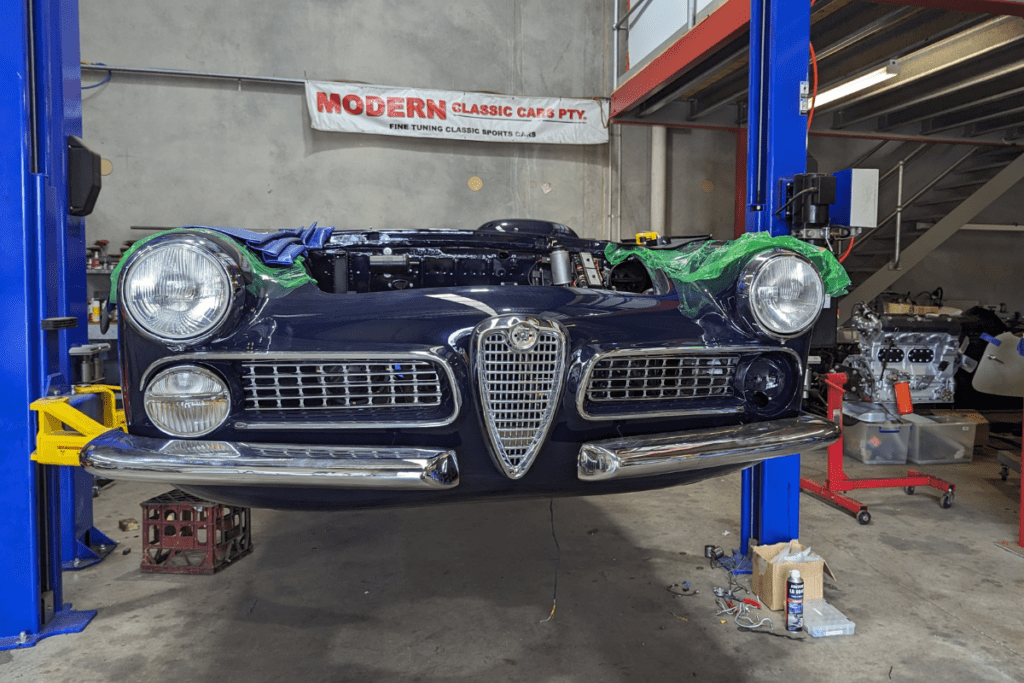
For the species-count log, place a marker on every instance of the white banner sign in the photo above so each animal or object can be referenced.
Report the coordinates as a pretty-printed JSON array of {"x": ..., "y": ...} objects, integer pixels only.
[{"x": 408, "y": 112}]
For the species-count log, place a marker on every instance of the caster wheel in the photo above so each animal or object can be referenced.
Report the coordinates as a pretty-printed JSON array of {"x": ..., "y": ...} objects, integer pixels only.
[
  {"x": 864, "y": 517},
  {"x": 947, "y": 500},
  {"x": 1004, "y": 473},
  {"x": 909, "y": 489}
]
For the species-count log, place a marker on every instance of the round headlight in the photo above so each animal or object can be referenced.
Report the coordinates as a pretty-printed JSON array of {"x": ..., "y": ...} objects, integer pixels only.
[
  {"x": 176, "y": 291},
  {"x": 187, "y": 401},
  {"x": 784, "y": 292}
]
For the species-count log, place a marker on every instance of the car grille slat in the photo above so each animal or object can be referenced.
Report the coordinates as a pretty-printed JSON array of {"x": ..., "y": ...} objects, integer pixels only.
[
  {"x": 344, "y": 385},
  {"x": 520, "y": 391},
  {"x": 623, "y": 378}
]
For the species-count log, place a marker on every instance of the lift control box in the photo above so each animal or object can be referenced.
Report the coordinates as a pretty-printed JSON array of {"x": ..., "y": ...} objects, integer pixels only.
[{"x": 856, "y": 204}]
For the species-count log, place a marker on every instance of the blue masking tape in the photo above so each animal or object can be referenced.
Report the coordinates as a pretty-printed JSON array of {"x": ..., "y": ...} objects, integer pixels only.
[{"x": 991, "y": 340}]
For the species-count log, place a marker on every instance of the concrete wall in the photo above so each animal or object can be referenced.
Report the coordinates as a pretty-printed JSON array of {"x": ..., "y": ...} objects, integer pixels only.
[
  {"x": 701, "y": 182},
  {"x": 188, "y": 152}
]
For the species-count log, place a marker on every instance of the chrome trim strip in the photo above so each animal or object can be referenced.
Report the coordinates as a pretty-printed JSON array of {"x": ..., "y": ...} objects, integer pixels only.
[
  {"x": 286, "y": 357},
  {"x": 116, "y": 455},
  {"x": 581, "y": 391},
  {"x": 643, "y": 456}
]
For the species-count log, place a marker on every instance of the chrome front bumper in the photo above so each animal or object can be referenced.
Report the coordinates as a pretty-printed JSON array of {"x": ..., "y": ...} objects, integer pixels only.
[
  {"x": 117, "y": 455},
  {"x": 643, "y": 456}
]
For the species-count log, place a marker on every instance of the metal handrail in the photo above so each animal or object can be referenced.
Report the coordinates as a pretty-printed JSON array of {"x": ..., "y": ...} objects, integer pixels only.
[
  {"x": 895, "y": 265},
  {"x": 921, "y": 149},
  {"x": 864, "y": 157},
  {"x": 866, "y": 236}
]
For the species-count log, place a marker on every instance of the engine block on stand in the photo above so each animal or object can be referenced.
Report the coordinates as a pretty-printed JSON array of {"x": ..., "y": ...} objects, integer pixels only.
[{"x": 923, "y": 351}]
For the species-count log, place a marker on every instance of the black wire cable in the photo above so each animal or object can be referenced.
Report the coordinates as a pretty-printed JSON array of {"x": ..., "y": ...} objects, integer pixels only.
[
  {"x": 558, "y": 560},
  {"x": 793, "y": 199}
]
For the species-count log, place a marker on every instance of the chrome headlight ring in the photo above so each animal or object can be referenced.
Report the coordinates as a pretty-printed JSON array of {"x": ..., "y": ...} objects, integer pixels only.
[
  {"x": 756, "y": 279},
  {"x": 216, "y": 261}
]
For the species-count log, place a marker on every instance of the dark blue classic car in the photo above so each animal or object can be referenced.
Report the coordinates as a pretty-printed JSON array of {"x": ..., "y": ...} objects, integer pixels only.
[{"x": 411, "y": 367}]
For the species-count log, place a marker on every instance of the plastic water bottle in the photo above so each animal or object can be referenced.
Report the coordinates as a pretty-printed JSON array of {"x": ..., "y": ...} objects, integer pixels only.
[{"x": 794, "y": 601}]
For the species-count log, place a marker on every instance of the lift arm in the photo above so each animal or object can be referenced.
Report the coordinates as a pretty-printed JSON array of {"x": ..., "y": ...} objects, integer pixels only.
[{"x": 64, "y": 430}]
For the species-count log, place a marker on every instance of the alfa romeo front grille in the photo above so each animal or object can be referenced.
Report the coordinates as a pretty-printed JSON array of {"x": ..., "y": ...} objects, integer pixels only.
[
  {"x": 343, "y": 385},
  {"x": 661, "y": 377},
  {"x": 519, "y": 387}
]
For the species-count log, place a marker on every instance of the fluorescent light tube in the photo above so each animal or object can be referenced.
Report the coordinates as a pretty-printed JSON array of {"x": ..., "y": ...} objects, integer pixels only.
[{"x": 856, "y": 85}]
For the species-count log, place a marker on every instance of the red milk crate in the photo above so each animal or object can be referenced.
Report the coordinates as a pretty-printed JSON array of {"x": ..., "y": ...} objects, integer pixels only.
[{"x": 184, "y": 534}]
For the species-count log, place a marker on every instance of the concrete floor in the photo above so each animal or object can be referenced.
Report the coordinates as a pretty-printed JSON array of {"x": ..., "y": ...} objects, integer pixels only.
[{"x": 459, "y": 594}]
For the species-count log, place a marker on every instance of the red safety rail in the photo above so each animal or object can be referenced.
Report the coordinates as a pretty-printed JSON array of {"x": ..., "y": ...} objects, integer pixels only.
[
  {"x": 838, "y": 483},
  {"x": 720, "y": 27}
]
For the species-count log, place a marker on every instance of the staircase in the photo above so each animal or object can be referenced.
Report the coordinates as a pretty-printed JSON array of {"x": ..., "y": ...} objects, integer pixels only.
[{"x": 959, "y": 182}]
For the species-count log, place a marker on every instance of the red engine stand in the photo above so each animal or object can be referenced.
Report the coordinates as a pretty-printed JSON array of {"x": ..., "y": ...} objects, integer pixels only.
[{"x": 837, "y": 482}]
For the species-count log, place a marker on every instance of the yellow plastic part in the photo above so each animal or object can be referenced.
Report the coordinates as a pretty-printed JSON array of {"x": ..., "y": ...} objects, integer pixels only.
[
  {"x": 64, "y": 430},
  {"x": 643, "y": 237}
]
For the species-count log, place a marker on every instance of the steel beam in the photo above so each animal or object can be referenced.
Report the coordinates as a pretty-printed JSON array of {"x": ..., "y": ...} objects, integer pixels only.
[
  {"x": 776, "y": 150},
  {"x": 40, "y": 105},
  {"x": 927, "y": 27},
  {"x": 936, "y": 235},
  {"x": 21, "y": 537},
  {"x": 698, "y": 78},
  {"x": 939, "y": 89},
  {"x": 977, "y": 91},
  {"x": 777, "y": 132},
  {"x": 1010, "y": 7},
  {"x": 1010, "y": 105},
  {"x": 695, "y": 46},
  {"x": 1008, "y": 119},
  {"x": 966, "y": 48},
  {"x": 883, "y": 23},
  {"x": 879, "y": 42}
]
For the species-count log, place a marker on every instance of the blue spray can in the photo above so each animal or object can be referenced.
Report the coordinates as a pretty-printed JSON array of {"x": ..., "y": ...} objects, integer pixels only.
[{"x": 794, "y": 601}]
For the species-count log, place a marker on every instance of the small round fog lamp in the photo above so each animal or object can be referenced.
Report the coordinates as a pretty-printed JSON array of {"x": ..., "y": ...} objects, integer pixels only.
[{"x": 187, "y": 401}]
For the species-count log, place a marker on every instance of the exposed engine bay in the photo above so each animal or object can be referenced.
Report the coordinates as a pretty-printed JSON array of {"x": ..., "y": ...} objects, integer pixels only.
[
  {"x": 923, "y": 351},
  {"x": 521, "y": 252}
]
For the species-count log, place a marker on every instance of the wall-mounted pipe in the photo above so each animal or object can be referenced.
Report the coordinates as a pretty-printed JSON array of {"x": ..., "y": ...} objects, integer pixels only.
[
  {"x": 659, "y": 184},
  {"x": 194, "y": 75},
  {"x": 835, "y": 134}
]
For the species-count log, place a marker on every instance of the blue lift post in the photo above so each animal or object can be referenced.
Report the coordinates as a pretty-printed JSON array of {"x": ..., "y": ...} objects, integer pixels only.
[
  {"x": 780, "y": 35},
  {"x": 40, "y": 105}
]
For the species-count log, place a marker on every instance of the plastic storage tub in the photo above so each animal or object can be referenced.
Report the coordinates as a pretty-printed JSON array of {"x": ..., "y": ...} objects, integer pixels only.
[
  {"x": 877, "y": 443},
  {"x": 942, "y": 440},
  {"x": 822, "y": 619}
]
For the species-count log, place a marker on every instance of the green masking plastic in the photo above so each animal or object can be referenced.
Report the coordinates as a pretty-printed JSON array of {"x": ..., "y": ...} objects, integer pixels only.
[
  {"x": 286, "y": 277},
  {"x": 702, "y": 270}
]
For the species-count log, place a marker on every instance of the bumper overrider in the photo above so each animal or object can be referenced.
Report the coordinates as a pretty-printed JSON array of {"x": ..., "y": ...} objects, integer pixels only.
[{"x": 117, "y": 455}]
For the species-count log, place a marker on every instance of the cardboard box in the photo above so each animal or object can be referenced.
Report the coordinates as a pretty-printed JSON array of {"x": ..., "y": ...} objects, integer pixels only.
[
  {"x": 898, "y": 308},
  {"x": 769, "y": 580}
]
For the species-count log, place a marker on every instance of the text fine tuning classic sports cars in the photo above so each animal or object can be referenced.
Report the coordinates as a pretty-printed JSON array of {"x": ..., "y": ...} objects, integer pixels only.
[{"x": 324, "y": 369}]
